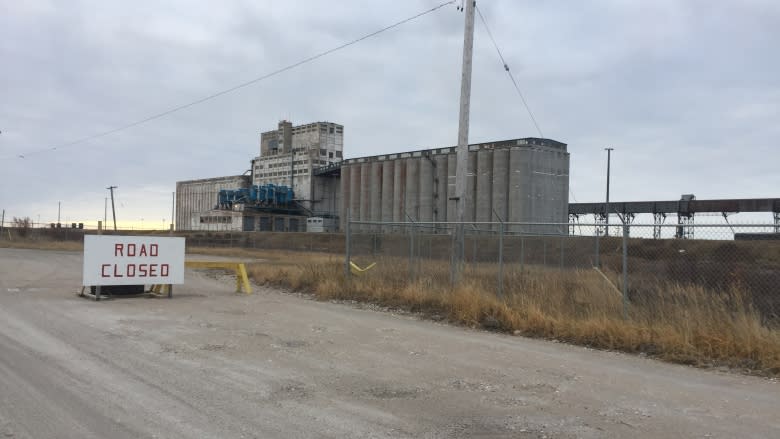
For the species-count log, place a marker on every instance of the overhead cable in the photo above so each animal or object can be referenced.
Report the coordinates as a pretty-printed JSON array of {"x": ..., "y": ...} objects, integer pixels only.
[
  {"x": 233, "y": 88},
  {"x": 509, "y": 72}
]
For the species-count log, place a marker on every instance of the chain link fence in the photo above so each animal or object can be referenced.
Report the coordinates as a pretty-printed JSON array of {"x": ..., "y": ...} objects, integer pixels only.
[
  {"x": 580, "y": 268},
  {"x": 294, "y": 241}
]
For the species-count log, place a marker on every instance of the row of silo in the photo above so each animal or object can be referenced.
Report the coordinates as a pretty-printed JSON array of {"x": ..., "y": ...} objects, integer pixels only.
[{"x": 517, "y": 184}]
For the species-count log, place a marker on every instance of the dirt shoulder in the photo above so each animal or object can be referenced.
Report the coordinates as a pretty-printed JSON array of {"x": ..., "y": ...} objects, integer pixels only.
[{"x": 211, "y": 363}]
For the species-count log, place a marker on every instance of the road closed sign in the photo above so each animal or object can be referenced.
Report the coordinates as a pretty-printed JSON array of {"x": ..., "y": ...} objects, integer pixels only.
[{"x": 132, "y": 260}]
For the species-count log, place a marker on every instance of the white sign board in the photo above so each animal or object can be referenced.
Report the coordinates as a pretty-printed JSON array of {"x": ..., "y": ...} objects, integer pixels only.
[{"x": 133, "y": 260}]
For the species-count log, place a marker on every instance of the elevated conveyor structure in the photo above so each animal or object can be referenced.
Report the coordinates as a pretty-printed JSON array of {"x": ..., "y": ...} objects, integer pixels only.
[{"x": 684, "y": 208}]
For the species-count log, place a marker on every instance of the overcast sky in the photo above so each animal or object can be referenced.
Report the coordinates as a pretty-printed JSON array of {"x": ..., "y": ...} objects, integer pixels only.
[{"x": 687, "y": 92}]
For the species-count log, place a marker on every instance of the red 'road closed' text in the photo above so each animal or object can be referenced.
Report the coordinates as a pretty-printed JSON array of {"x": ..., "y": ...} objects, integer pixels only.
[
  {"x": 134, "y": 270},
  {"x": 133, "y": 250}
]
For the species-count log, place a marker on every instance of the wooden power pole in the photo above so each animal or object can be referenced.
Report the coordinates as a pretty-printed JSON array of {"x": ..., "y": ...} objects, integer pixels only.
[{"x": 113, "y": 209}]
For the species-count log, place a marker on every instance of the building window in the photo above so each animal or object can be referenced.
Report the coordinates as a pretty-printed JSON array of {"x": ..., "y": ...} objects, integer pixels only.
[{"x": 338, "y": 154}]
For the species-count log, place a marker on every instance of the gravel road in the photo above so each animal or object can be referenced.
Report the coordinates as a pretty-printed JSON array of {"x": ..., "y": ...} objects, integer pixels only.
[{"x": 214, "y": 364}]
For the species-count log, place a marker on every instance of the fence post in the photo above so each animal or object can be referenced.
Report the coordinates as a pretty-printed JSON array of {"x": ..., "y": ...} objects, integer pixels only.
[
  {"x": 411, "y": 248},
  {"x": 625, "y": 271},
  {"x": 563, "y": 243},
  {"x": 598, "y": 251},
  {"x": 501, "y": 260},
  {"x": 347, "y": 255},
  {"x": 500, "y": 254},
  {"x": 411, "y": 253},
  {"x": 522, "y": 252},
  {"x": 474, "y": 247}
]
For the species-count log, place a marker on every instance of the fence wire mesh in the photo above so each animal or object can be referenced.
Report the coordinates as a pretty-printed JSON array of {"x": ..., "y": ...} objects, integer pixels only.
[{"x": 576, "y": 270}]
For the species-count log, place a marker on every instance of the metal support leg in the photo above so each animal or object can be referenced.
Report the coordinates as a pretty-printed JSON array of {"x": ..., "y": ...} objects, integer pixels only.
[
  {"x": 684, "y": 226},
  {"x": 601, "y": 221},
  {"x": 501, "y": 260},
  {"x": 658, "y": 220},
  {"x": 777, "y": 221},
  {"x": 574, "y": 220}
]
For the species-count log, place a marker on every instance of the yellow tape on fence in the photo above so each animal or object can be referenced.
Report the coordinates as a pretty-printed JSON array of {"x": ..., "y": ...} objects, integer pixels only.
[{"x": 357, "y": 271}]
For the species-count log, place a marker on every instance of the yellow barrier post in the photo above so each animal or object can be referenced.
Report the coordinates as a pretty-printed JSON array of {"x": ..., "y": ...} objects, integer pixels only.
[
  {"x": 238, "y": 268},
  {"x": 244, "y": 278}
]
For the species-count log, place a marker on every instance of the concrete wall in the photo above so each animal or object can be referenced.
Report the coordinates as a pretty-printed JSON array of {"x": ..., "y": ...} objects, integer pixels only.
[
  {"x": 346, "y": 196},
  {"x": 500, "y": 183},
  {"x": 198, "y": 197},
  {"x": 216, "y": 221},
  {"x": 484, "y": 189},
  {"x": 388, "y": 185},
  {"x": 326, "y": 195},
  {"x": 412, "y": 190},
  {"x": 441, "y": 179},
  {"x": 519, "y": 180},
  {"x": 365, "y": 193},
  {"x": 376, "y": 193},
  {"x": 355, "y": 192},
  {"x": 425, "y": 197}
]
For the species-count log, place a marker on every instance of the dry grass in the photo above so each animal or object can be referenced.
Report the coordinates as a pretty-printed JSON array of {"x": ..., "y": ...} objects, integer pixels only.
[
  {"x": 689, "y": 325},
  {"x": 679, "y": 323},
  {"x": 43, "y": 244}
]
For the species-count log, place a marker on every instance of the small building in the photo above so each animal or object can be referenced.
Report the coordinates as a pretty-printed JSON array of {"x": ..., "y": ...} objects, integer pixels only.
[{"x": 318, "y": 224}]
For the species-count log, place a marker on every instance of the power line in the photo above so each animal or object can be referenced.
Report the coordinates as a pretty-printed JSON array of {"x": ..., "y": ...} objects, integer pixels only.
[
  {"x": 512, "y": 77},
  {"x": 509, "y": 72},
  {"x": 234, "y": 88}
]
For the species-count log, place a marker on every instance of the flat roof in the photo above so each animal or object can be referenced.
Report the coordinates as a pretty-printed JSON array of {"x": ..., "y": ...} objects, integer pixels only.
[
  {"x": 500, "y": 144},
  {"x": 216, "y": 179}
]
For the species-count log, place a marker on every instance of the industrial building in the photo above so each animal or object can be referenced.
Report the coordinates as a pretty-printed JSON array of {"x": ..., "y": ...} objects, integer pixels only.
[
  {"x": 289, "y": 154},
  {"x": 196, "y": 201},
  {"x": 518, "y": 180}
]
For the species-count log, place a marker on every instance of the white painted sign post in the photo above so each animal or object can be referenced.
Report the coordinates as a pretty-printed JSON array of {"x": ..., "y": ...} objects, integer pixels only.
[{"x": 132, "y": 260}]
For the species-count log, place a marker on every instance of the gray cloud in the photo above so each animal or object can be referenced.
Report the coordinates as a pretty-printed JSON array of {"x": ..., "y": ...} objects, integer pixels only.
[{"x": 687, "y": 92}]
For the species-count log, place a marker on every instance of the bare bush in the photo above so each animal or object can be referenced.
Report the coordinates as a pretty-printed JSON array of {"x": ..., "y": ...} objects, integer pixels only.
[{"x": 22, "y": 225}]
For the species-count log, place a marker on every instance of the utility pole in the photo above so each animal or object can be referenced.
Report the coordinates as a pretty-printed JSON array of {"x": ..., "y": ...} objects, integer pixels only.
[
  {"x": 462, "y": 152},
  {"x": 173, "y": 208},
  {"x": 105, "y": 211},
  {"x": 113, "y": 209},
  {"x": 59, "y": 206},
  {"x": 606, "y": 207}
]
